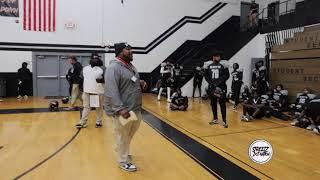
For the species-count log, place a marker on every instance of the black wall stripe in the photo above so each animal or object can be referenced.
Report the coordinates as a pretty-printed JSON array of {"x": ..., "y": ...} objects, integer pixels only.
[
  {"x": 137, "y": 50},
  {"x": 179, "y": 24},
  {"x": 51, "y": 45},
  {"x": 148, "y": 49},
  {"x": 51, "y": 50}
]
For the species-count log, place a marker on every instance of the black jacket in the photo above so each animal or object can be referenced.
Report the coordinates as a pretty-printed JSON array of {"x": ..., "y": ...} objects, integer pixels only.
[
  {"x": 237, "y": 76},
  {"x": 24, "y": 74},
  {"x": 198, "y": 75},
  {"x": 75, "y": 73}
]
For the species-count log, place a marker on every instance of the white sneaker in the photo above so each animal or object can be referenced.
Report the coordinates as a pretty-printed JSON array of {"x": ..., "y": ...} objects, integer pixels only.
[
  {"x": 234, "y": 108},
  {"x": 169, "y": 100},
  {"x": 215, "y": 121},
  {"x": 19, "y": 97},
  {"x": 316, "y": 130},
  {"x": 1, "y": 100},
  {"x": 294, "y": 122},
  {"x": 25, "y": 97},
  {"x": 128, "y": 167},
  {"x": 80, "y": 126},
  {"x": 225, "y": 125},
  {"x": 311, "y": 127},
  {"x": 244, "y": 118}
]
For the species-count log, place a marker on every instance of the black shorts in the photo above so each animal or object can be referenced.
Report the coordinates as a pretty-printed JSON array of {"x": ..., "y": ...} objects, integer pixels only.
[
  {"x": 165, "y": 81},
  {"x": 177, "y": 83}
]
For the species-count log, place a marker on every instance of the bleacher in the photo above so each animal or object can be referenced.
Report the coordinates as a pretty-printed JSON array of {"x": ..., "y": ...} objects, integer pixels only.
[{"x": 296, "y": 62}]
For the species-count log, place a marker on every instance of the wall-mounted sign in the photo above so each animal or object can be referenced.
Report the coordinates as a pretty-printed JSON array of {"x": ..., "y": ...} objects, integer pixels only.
[
  {"x": 9, "y": 8},
  {"x": 70, "y": 25}
]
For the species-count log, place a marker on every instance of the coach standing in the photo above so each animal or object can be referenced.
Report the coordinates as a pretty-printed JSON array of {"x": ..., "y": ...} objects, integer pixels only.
[{"x": 123, "y": 96}]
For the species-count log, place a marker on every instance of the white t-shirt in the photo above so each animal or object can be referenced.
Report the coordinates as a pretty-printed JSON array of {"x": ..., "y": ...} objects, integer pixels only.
[{"x": 90, "y": 85}]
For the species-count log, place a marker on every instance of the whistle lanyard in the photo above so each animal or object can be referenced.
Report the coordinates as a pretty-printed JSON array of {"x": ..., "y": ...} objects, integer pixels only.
[{"x": 128, "y": 65}]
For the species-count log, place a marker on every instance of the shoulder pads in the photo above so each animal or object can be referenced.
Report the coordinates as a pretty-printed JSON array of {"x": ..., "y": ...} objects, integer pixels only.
[{"x": 224, "y": 63}]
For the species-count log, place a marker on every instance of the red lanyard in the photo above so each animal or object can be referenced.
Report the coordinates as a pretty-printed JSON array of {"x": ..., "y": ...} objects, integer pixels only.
[
  {"x": 129, "y": 65},
  {"x": 125, "y": 62}
]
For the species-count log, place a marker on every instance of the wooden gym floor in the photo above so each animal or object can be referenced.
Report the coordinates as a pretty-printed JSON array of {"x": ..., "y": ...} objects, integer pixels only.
[{"x": 36, "y": 144}]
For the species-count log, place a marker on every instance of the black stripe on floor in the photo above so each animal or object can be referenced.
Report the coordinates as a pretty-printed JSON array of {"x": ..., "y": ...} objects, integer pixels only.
[
  {"x": 33, "y": 110},
  {"x": 216, "y": 164},
  {"x": 206, "y": 157}
]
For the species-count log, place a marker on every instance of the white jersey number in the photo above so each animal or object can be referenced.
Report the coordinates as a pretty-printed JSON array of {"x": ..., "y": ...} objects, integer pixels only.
[{"x": 215, "y": 73}]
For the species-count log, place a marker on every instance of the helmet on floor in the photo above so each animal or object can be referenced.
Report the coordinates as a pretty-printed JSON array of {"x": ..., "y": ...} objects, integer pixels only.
[
  {"x": 54, "y": 105},
  {"x": 65, "y": 100}
]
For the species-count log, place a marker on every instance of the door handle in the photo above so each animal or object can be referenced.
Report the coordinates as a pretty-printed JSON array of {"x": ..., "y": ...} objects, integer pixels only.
[
  {"x": 47, "y": 77},
  {"x": 64, "y": 77}
]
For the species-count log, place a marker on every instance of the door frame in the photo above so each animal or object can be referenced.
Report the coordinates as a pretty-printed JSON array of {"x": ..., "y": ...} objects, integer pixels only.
[{"x": 58, "y": 54}]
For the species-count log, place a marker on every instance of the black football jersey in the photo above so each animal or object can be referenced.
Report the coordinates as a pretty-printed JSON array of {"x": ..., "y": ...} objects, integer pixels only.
[
  {"x": 216, "y": 74},
  {"x": 198, "y": 75},
  {"x": 236, "y": 76},
  {"x": 256, "y": 100},
  {"x": 271, "y": 102},
  {"x": 302, "y": 99},
  {"x": 277, "y": 93},
  {"x": 177, "y": 71},
  {"x": 259, "y": 74},
  {"x": 246, "y": 96}
]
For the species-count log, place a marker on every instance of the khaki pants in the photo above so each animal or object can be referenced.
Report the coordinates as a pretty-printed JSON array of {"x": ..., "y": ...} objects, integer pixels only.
[
  {"x": 124, "y": 135},
  {"x": 87, "y": 109},
  {"x": 75, "y": 94}
]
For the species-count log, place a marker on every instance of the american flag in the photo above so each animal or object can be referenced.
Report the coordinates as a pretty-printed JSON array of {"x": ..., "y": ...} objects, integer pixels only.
[{"x": 39, "y": 15}]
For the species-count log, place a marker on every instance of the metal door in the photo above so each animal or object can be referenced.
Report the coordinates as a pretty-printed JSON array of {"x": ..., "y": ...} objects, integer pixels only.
[
  {"x": 50, "y": 71},
  {"x": 47, "y": 75},
  {"x": 85, "y": 60},
  {"x": 64, "y": 66}
]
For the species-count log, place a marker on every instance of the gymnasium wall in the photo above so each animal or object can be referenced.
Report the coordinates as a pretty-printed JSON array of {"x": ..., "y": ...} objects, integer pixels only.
[
  {"x": 11, "y": 60},
  {"x": 100, "y": 22},
  {"x": 149, "y": 29},
  {"x": 85, "y": 14},
  {"x": 254, "y": 49}
]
